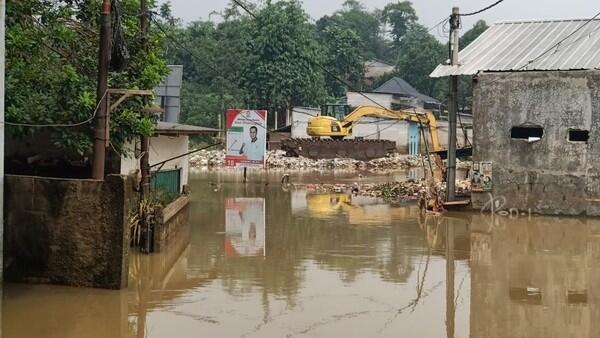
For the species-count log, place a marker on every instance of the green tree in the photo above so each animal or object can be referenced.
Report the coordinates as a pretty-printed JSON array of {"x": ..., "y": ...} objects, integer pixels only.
[
  {"x": 400, "y": 16},
  {"x": 465, "y": 84},
  {"x": 51, "y": 63},
  {"x": 280, "y": 69},
  {"x": 343, "y": 59},
  {"x": 420, "y": 53},
  {"x": 363, "y": 23}
]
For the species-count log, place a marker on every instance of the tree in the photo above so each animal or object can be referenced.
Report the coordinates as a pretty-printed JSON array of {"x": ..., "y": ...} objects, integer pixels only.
[
  {"x": 366, "y": 25},
  {"x": 51, "y": 63},
  {"x": 420, "y": 53},
  {"x": 343, "y": 59},
  {"x": 400, "y": 17},
  {"x": 281, "y": 66},
  {"x": 465, "y": 84}
]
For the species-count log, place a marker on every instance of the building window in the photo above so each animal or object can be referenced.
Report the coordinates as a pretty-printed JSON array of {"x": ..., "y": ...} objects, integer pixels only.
[
  {"x": 527, "y": 133},
  {"x": 576, "y": 135}
]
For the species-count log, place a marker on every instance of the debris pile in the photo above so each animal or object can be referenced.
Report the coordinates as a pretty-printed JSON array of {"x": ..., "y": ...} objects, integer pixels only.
[
  {"x": 391, "y": 191},
  {"x": 208, "y": 159}
]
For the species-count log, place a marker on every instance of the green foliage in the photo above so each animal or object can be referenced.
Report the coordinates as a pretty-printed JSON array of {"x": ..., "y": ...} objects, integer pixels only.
[
  {"x": 51, "y": 62},
  {"x": 420, "y": 53},
  {"x": 342, "y": 58},
  {"x": 400, "y": 16}
]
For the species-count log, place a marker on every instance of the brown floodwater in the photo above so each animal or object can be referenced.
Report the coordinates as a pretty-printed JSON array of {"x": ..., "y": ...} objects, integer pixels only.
[{"x": 261, "y": 261}]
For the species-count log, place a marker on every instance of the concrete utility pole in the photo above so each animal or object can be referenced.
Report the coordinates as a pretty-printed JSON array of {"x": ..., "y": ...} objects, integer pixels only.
[
  {"x": 100, "y": 130},
  {"x": 452, "y": 107},
  {"x": 2, "y": 63},
  {"x": 145, "y": 140}
]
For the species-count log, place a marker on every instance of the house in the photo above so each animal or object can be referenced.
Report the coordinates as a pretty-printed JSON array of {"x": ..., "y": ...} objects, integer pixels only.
[
  {"x": 169, "y": 141},
  {"x": 396, "y": 93},
  {"x": 374, "y": 69},
  {"x": 536, "y": 113}
]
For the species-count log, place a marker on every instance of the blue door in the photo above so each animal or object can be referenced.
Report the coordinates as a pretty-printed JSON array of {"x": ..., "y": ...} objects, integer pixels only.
[{"x": 414, "y": 139}]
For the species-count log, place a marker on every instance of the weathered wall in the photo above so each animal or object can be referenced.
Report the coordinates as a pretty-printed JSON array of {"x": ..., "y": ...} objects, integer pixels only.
[
  {"x": 553, "y": 175},
  {"x": 170, "y": 221},
  {"x": 70, "y": 232}
]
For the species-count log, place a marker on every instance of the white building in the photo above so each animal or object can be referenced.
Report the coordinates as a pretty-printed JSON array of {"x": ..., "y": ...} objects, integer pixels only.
[{"x": 169, "y": 141}]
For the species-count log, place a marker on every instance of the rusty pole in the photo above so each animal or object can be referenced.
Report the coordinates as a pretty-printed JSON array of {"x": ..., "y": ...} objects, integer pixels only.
[
  {"x": 145, "y": 140},
  {"x": 2, "y": 65},
  {"x": 101, "y": 115}
]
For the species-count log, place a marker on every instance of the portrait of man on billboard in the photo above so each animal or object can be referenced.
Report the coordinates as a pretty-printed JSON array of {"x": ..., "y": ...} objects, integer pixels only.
[{"x": 252, "y": 148}]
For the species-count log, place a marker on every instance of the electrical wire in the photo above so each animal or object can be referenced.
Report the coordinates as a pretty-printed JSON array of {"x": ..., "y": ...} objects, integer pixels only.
[
  {"x": 61, "y": 125},
  {"x": 483, "y": 9}
]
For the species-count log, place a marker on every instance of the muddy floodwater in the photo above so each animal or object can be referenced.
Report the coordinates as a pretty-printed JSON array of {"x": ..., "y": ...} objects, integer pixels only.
[{"x": 261, "y": 261}]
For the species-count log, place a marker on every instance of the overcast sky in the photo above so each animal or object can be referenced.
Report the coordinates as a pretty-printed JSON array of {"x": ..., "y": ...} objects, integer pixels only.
[{"x": 430, "y": 12}]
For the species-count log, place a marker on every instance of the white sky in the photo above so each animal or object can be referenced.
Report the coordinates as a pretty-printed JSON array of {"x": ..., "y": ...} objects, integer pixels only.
[{"x": 430, "y": 12}]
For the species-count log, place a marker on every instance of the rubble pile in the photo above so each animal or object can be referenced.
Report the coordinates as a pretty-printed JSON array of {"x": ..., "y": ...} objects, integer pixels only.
[
  {"x": 392, "y": 191},
  {"x": 208, "y": 159}
]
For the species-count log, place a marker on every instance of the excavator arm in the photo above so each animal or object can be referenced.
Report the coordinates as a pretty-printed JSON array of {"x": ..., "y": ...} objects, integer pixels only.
[{"x": 427, "y": 118}]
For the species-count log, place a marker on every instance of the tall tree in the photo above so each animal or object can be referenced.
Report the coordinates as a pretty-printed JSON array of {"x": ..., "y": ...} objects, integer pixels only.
[
  {"x": 400, "y": 16},
  {"x": 342, "y": 58},
  {"x": 281, "y": 70},
  {"x": 420, "y": 53},
  {"x": 365, "y": 24}
]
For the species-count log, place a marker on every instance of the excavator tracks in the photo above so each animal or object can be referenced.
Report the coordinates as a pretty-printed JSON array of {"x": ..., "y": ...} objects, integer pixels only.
[{"x": 363, "y": 150}]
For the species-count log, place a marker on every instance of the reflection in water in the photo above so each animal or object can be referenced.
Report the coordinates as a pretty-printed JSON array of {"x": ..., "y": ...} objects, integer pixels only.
[
  {"x": 336, "y": 265},
  {"x": 245, "y": 227}
]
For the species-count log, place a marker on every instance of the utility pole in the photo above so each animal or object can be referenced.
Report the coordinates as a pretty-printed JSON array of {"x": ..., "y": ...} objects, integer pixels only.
[
  {"x": 100, "y": 130},
  {"x": 452, "y": 107},
  {"x": 2, "y": 65},
  {"x": 145, "y": 140}
]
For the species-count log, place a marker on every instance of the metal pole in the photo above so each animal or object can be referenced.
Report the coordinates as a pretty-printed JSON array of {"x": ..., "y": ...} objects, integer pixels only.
[
  {"x": 2, "y": 65},
  {"x": 452, "y": 108},
  {"x": 103, "y": 64}
]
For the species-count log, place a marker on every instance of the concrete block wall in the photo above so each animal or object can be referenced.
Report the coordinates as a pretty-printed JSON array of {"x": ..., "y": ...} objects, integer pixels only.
[
  {"x": 553, "y": 175},
  {"x": 68, "y": 232}
]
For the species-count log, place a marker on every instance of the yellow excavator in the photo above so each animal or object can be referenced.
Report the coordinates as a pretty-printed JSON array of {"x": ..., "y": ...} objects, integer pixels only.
[{"x": 328, "y": 135}]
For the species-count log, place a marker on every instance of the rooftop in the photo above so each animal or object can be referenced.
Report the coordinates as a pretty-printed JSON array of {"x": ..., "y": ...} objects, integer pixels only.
[
  {"x": 167, "y": 128},
  {"x": 530, "y": 45},
  {"x": 398, "y": 86}
]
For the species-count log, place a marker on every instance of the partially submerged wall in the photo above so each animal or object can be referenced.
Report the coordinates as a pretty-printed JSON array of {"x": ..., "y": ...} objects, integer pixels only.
[
  {"x": 552, "y": 175},
  {"x": 70, "y": 232}
]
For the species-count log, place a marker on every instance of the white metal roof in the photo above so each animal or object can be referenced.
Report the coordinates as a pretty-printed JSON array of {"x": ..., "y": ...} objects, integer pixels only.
[{"x": 530, "y": 45}]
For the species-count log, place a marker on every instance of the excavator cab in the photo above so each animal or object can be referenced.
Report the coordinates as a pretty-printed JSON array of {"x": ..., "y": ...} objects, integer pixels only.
[{"x": 335, "y": 110}]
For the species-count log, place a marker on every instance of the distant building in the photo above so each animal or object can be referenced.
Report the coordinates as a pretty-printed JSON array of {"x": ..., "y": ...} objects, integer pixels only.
[
  {"x": 394, "y": 94},
  {"x": 536, "y": 110},
  {"x": 375, "y": 69}
]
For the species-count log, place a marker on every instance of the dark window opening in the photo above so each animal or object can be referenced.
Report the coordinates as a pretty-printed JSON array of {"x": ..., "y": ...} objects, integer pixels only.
[
  {"x": 577, "y": 297},
  {"x": 525, "y": 133},
  {"x": 528, "y": 295},
  {"x": 576, "y": 135}
]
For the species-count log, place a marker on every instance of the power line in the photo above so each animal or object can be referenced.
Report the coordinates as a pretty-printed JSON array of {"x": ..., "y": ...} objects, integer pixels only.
[
  {"x": 483, "y": 9},
  {"x": 61, "y": 125}
]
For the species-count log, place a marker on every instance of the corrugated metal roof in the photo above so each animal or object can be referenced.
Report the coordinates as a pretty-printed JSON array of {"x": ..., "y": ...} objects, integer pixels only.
[{"x": 530, "y": 45}]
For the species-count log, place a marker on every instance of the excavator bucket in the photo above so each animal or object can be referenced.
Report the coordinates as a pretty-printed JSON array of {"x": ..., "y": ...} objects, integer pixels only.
[{"x": 363, "y": 150}]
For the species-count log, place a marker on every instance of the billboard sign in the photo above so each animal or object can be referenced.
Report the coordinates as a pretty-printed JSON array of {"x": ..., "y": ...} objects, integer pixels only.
[
  {"x": 246, "y": 138},
  {"x": 245, "y": 227}
]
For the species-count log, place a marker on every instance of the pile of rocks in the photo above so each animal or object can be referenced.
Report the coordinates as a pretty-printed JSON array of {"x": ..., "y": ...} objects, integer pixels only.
[{"x": 276, "y": 159}]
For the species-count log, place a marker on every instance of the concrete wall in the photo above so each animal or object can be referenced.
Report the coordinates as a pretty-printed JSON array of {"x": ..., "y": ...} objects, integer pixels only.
[
  {"x": 168, "y": 94},
  {"x": 161, "y": 148},
  {"x": 69, "y": 232},
  {"x": 355, "y": 99},
  {"x": 553, "y": 175}
]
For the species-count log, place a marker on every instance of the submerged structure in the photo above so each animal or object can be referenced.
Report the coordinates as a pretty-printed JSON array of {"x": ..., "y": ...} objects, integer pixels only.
[{"x": 536, "y": 113}]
